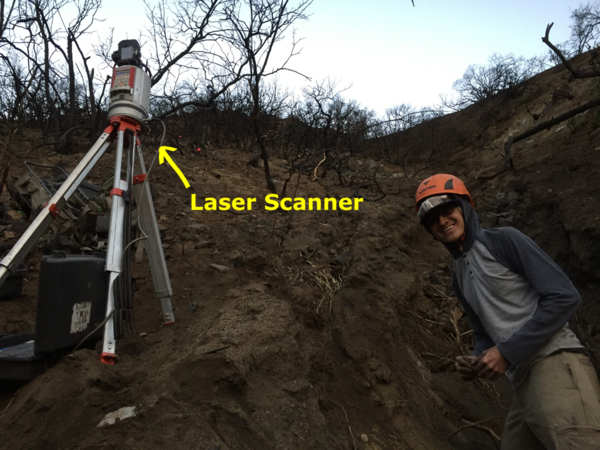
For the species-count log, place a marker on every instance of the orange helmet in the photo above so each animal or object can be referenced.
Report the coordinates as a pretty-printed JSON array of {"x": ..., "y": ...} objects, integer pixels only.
[{"x": 440, "y": 184}]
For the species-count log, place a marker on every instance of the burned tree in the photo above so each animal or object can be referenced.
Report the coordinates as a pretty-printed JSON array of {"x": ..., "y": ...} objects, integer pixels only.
[
  {"x": 585, "y": 30},
  {"x": 192, "y": 68},
  {"x": 256, "y": 26},
  {"x": 502, "y": 73},
  {"x": 39, "y": 37}
]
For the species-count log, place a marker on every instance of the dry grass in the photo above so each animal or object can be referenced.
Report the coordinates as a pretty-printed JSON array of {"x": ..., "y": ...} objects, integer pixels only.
[{"x": 329, "y": 285}]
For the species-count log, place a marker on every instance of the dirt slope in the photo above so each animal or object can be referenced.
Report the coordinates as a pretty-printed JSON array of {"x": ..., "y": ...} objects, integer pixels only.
[{"x": 320, "y": 329}]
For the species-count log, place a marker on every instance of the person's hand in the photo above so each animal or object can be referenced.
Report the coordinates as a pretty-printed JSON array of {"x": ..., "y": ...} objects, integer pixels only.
[
  {"x": 465, "y": 367},
  {"x": 491, "y": 364}
]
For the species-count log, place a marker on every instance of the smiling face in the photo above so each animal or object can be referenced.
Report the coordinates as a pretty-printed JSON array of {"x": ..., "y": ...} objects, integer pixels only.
[{"x": 447, "y": 224}]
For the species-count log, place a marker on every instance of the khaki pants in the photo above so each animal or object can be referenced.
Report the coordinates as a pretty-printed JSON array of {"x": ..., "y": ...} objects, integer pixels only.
[{"x": 557, "y": 407}]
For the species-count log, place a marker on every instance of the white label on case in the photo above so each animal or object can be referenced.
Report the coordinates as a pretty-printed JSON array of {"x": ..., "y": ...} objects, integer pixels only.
[{"x": 81, "y": 316}]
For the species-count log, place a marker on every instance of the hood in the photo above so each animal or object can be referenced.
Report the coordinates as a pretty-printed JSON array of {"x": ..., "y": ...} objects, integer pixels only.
[{"x": 471, "y": 228}]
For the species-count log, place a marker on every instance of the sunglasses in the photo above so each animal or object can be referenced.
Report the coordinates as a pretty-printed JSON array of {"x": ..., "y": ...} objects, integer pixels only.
[{"x": 434, "y": 215}]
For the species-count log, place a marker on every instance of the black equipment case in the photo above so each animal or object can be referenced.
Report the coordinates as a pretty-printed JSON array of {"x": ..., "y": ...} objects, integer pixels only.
[{"x": 71, "y": 304}]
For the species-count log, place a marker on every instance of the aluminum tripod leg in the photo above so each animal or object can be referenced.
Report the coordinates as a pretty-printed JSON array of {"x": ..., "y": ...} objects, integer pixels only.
[
  {"x": 154, "y": 248},
  {"x": 52, "y": 209},
  {"x": 149, "y": 225},
  {"x": 114, "y": 253}
]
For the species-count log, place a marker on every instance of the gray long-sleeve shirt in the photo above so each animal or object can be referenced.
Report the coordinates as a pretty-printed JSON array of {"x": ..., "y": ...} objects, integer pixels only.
[{"x": 515, "y": 296}]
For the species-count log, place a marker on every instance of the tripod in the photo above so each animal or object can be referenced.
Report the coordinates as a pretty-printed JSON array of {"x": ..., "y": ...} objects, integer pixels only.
[{"x": 126, "y": 131}]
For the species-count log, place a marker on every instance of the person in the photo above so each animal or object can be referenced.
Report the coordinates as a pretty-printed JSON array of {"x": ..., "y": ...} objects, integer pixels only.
[{"x": 518, "y": 302}]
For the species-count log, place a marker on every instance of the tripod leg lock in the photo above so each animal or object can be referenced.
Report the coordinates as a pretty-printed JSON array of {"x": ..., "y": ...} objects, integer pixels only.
[
  {"x": 53, "y": 209},
  {"x": 139, "y": 178},
  {"x": 121, "y": 193}
]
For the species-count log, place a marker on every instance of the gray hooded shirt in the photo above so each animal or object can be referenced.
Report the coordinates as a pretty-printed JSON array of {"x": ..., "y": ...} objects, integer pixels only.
[{"x": 515, "y": 296}]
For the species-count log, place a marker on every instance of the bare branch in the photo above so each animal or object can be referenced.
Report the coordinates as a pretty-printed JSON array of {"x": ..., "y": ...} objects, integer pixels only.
[
  {"x": 588, "y": 72},
  {"x": 542, "y": 126},
  {"x": 194, "y": 26}
]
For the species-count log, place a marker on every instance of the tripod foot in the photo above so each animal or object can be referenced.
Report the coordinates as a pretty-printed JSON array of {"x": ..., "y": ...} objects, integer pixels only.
[{"x": 108, "y": 358}]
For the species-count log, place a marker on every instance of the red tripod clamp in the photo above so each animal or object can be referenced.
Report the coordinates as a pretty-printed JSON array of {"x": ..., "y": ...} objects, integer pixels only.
[{"x": 123, "y": 123}]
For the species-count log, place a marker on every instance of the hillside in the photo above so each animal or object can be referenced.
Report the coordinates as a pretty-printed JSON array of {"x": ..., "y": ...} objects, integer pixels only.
[{"x": 321, "y": 329}]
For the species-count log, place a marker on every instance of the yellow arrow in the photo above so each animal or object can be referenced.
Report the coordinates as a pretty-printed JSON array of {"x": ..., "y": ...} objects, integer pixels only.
[{"x": 163, "y": 155}]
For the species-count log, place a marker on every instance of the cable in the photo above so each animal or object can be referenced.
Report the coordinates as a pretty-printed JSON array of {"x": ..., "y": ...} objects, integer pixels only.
[{"x": 94, "y": 330}]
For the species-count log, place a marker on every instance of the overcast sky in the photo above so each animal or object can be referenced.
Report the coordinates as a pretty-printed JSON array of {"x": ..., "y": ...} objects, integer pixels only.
[{"x": 393, "y": 53}]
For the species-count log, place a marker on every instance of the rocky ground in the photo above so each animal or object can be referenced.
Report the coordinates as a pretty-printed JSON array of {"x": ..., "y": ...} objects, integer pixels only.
[{"x": 319, "y": 329}]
